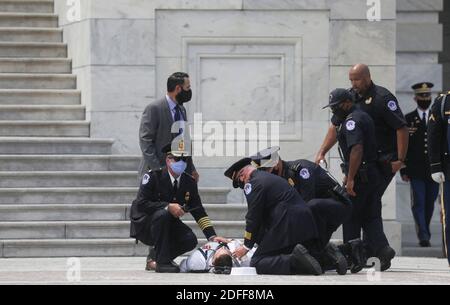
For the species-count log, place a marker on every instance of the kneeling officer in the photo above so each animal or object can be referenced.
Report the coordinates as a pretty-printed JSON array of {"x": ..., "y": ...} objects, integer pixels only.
[{"x": 164, "y": 197}]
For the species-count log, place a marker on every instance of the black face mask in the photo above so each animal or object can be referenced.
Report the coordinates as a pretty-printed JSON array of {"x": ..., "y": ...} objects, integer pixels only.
[
  {"x": 340, "y": 113},
  {"x": 184, "y": 96},
  {"x": 424, "y": 104},
  {"x": 237, "y": 183}
]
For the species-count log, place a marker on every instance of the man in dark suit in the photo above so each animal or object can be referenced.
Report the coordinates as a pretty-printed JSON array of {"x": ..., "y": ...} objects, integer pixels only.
[
  {"x": 157, "y": 124},
  {"x": 164, "y": 197},
  {"x": 423, "y": 189}
]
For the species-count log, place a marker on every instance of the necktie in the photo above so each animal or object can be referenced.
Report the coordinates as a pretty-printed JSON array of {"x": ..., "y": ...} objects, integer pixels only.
[
  {"x": 177, "y": 116},
  {"x": 424, "y": 118},
  {"x": 175, "y": 190}
]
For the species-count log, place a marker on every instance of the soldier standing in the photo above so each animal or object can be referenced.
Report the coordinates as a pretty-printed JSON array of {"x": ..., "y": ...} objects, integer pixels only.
[
  {"x": 424, "y": 190},
  {"x": 439, "y": 142}
]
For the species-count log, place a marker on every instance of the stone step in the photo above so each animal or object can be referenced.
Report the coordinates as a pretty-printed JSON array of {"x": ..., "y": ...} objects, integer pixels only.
[
  {"x": 37, "y": 81},
  {"x": 24, "y": 6},
  {"x": 27, "y": 34},
  {"x": 44, "y": 129},
  {"x": 69, "y": 163},
  {"x": 54, "y": 146},
  {"x": 35, "y": 179},
  {"x": 30, "y": 34},
  {"x": 28, "y": 20},
  {"x": 39, "y": 97},
  {"x": 98, "y": 229},
  {"x": 435, "y": 252},
  {"x": 35, "y": 65},
  {"x": 409, "y": 236},
  {"x": 43, "y": 113},
  {"x": 91, "y": 195},
  {"x": 102, "y": 212},
  {"x": 72, "y": 248},
  {"x": 33, "y": 50}
]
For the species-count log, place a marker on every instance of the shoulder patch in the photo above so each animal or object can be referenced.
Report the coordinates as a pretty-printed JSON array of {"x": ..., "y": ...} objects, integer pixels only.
[
  {"x": 248, "y": 189},
  {"x": 350, "y": 125},
  {"x": 145, "y": 179},
  {"x": 392, "y": 105},
  {"x": 304, "y": 173}
]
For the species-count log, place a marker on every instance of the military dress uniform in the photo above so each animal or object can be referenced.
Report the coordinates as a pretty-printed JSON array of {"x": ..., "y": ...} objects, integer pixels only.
[
  {"x": 424, "y": 190},
  {"x": 439, "y": 148},
  {"x": 153, "y": 225}
]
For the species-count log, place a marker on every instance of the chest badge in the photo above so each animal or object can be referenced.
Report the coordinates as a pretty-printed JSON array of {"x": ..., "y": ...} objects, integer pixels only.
[
  {"x": 187, "y": 196},
  {"x": 291, "y": 182},
  {"x": 369, "y": 101}
]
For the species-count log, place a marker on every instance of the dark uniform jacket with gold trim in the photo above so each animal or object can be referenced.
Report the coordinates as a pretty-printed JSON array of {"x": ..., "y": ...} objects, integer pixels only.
[
  {"x": 277, "y": 216},
  {"x": 438, "y": 142},
  {"x": 155, "y": 193},
  {"x": 417, "y": 164}
]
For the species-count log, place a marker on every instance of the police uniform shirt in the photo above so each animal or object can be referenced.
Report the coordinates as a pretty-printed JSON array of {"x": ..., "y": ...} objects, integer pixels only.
[
  {"x": 308, "y": 178},
  {"x": 417, "y": 161},
  {"x": 383, "y": 108},
  {"x": 201, "y": 259},
  {"x": 358, "y": 128},
  {"x": 437, "y": 136},
  {"x": 156, "y": 192}
]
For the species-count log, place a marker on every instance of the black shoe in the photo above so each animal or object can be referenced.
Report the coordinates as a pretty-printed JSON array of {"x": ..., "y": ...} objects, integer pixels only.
[
  {"x": 336, "y": 259},
  {"x": 151, "y": 260},
  {"x": 425, "y": 244},
  {"x": 386, "y": 255},
  {"x": 167, "y": 268},
  {"x": 303, "y": 263},
  {"x": 356, "y": 252}
]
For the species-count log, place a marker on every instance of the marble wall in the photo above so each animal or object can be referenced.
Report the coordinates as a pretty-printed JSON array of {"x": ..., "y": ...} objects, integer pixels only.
[
  {"x": 419, "y": 41},
  {"x": 248, "y": 60}
]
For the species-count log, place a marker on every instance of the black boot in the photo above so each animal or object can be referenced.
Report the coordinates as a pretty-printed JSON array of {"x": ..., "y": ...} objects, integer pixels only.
[
  {"x": 354, "y": 252},
  {"x": 386, "y": 255},
  {"x": 151, "y": 264},
  {"x": 303, "y": 263},
  {"x": 334, "y": 260}
]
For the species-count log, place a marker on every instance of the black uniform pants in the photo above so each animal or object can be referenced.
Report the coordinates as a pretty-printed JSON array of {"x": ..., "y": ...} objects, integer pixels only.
[
  {"x": 171, "y": 236},
  {"x": 366, "y": 214},
  {"x": 274, "y": 263},
  {"x": 329, "y": 215}
]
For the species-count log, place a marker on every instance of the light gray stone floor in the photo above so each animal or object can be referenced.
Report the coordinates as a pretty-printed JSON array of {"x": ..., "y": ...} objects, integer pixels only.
[{"x": 129, "y": 271}]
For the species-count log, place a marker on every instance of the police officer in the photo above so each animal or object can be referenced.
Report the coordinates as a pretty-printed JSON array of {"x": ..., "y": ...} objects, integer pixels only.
[
  {"x": 278, "y": 220},
  {"x": 439, "y": 142},
  {"x": 166, "y": 195},
  {"x": 424, "y": 190},
  {"x": 308, "y": 178},
  {"x": 356, "y": 138},
  {"x": 327, "y": 200}
]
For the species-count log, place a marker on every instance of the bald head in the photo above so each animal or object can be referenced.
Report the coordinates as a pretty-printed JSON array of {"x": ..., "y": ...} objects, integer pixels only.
[{"x": 360, "y": 78}]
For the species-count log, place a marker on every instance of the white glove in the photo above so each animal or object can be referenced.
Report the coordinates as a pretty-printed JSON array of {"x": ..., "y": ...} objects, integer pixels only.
[{"x": 438, "y": 177}]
